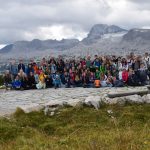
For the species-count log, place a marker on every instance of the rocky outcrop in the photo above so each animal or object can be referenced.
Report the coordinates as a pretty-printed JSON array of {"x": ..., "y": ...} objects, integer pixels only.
[
  {"x": 50, "y": 100},
  {"x": 99, "y": 30}
]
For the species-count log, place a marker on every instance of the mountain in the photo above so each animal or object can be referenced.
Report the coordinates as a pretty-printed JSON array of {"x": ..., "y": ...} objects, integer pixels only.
[
  {"x": 38, "y": 45},
  {"x": 99, "y": 30},
  {"x": 102, "y": 39},
  {"x": 116, "y": 42},
  {"x": 6, "y": 49},
  {"x": 133, "y": 34}
]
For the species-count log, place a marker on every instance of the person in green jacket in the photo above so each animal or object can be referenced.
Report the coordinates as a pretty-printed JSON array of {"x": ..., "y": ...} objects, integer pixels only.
[
  {"x": 103, "y": 68},
  {"x": 97, "y": 73},
  {"x": 88, "y": 62}
]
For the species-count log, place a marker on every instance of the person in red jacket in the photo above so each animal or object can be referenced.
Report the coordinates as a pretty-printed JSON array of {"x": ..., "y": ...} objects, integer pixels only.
[
  {"x": 125, "y": 75},
  {"x": 83, "y": 62}
]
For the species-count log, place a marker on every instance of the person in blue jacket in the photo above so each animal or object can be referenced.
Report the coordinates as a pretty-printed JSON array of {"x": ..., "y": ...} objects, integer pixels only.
[
  {"x": 56, "y": 80},
  {"x": 16, "y": 84}
]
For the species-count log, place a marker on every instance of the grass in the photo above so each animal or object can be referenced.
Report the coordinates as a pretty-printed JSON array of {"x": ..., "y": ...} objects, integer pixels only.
[{"x": 80, "y": 128}]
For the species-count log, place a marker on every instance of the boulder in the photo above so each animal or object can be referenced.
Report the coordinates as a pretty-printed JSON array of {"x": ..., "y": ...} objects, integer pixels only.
[
  {"x": 55, "y": 103},
  {"x": 93, "y": 101},
  {"x": 146, "y": 98},
  {"x": 30, "y": 108},
  {"x": 75, "y": 102},
  {"x": 117, "y": 100},
  {"x": 134, "y": 99},
  {"x": 49, "y": 110}
]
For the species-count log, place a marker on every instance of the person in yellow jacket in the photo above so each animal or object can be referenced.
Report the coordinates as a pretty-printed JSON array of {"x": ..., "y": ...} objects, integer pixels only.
[{"x": 42, "y": 83}]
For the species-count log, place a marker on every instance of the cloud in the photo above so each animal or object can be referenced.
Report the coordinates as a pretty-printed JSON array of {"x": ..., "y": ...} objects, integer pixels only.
[
  {"x": 26, "y": 20},
  {"x": 139, "y": 1},
  {"x": 140, "y": 5},
  {"x": 55, "y": 32}
]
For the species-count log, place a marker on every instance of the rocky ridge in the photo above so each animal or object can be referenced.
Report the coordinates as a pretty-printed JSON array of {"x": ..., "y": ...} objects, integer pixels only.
[{"x": 51, "y": 99}]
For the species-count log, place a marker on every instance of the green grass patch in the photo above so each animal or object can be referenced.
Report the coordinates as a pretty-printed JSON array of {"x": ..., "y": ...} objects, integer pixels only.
[{"x": 127, "y": 128}]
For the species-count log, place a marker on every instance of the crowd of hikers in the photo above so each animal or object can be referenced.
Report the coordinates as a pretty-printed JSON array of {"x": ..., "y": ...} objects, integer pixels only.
[{"x": 100, "y": 71}]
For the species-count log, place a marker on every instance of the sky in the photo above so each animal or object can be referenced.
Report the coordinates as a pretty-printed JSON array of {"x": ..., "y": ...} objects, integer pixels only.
[{"x": 58, "y": 19}]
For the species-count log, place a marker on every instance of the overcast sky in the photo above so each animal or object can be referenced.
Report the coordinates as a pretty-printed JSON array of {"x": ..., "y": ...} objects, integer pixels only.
[{"x": 57, "y": 19}]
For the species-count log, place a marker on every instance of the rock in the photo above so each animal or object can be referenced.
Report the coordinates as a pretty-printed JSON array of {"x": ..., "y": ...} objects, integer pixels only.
[
  {"x": 51, "y": 99},
  {"x": 49, "y": 109},
  {"x": 120, "y": 100},
  {"x": 109, "y": 111},
  {"x": 52, "y": 113},
  {"x": 134, "y": 99},
  {"x": 30, "y": 108},
  {"x": 46, "y": 110},
  {"x": 146, "y": 98},
  {"x": 55, "y": 103},
  {"x": 93, "y": 101},
  {"x": 75, "y": 102},
  {"x": 112, "y": 101},
  {"x": 79, "y": 104}
]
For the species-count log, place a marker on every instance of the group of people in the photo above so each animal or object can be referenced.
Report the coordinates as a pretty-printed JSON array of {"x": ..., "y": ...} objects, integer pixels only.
[{"x": 100, "y": 71}]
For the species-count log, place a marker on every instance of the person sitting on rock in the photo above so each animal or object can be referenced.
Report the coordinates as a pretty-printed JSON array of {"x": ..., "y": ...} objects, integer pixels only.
[
  {"x": 88, "y": 61},
  {"x": 125, "y": 75},
  {"x": 103, "y": 77},
  {"x": 142, "y": 74},
  {"x": 77, "y": 81},
  {"x": 103, "y": 68},
  {"x": 97, "y": 73},
  {"x": 91, "y": 78},
  {"x": 8, "y": 80},
  {"x": 107, "y": 83},
  {"x": 85, "y": 78},
  {"x": 31, "y": 81},
  {"x": 72, "y": 77},
  {"x": 16, "y": 84},
  {"x": 57, "y": 80},
  {"x": 97, "y": 83},
  {"x": 67, "y": 79},
  {"x": 117, "y": 83},
  {"x": 13, "y": 69},
  {"x": 23, "y": 78},
  {"x": 41, "y": 84},
  {"x": 96, "y": 62},
  {"x": 29, "y": 69},
  {"x": 21, "y": 66},
  {"x": 133, "y": 79}
]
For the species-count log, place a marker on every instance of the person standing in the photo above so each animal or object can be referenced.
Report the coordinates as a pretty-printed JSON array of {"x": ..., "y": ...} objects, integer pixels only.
[{"x": 21, "y": 66}]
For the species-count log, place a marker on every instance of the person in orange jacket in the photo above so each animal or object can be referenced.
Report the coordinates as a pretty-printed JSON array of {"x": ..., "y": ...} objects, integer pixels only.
[{"x": 97, "y": 83}]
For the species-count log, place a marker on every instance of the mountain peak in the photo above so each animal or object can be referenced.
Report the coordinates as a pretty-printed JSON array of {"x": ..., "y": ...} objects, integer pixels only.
[{"x": 98, "y": 30}]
